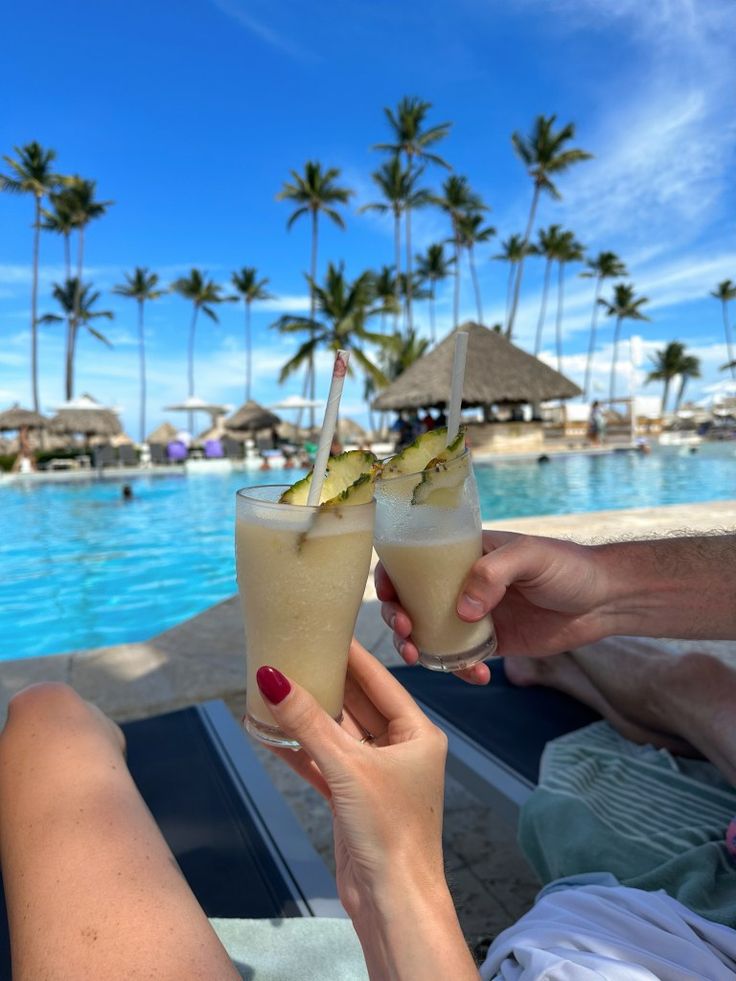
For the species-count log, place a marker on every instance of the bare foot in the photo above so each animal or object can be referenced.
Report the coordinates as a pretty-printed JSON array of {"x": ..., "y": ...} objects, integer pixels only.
[{"x": 562, "y": 671}]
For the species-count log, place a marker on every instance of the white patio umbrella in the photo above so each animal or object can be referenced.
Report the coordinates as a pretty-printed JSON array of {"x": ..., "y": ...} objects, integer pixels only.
[{"x": 194, "y": 404}]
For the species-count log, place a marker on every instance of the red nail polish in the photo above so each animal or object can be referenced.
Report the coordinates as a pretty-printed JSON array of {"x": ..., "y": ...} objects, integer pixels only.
[{"x": 273, "y": 685}]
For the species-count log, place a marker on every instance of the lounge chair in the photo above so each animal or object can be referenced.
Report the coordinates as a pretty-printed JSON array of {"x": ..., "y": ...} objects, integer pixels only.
[
  {"x": 496, "y": 733},
  {"x": 213, "y": 449},
  {"x": 104, "y": 456},
  {"x": 237, "y": 842},
  {"x": 176, "y": 451},
  {"x": 127, "y": 456},
  {"x": 158, "y": 453}
]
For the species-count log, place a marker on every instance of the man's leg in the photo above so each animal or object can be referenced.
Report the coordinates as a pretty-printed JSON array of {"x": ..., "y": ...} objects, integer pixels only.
[
  {"x": 678, "y": 702},
  {"x": 92, "y": 889}
]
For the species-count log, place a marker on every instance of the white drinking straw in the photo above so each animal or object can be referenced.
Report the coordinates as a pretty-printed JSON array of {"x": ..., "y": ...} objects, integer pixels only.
[
  {"x": 339, "y": 370},
  {"x": 456, "y": 391}
]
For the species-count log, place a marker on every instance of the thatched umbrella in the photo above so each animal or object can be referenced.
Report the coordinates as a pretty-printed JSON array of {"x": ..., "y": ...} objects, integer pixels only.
[
  {"x": 497, "y": 373},
  {"x": 162, "y": 435},
  {"x": 350, "y": 430},
  {"x": 86, "y": 416},
  {"x": 249, "y": 417},
  {"x": 16, "y": 418}
]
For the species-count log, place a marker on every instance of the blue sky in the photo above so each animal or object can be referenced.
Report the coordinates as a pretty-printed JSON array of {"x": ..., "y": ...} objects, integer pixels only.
[{"x": 191, "y": 114}]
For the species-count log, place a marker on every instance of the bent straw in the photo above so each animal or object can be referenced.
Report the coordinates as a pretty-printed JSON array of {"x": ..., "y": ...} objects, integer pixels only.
[
  {"x": 456, "y": 391},
  {"x": 339, "y": 370}
]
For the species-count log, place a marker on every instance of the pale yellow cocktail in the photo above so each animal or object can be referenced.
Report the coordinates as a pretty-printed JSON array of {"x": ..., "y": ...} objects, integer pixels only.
[
  {"x": 428, "y": 535},
  {"x": 301, "y": 574}
]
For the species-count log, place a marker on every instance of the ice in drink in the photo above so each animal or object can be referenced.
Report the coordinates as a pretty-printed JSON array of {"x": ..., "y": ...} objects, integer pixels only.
[{"x": 301, "y": 573}]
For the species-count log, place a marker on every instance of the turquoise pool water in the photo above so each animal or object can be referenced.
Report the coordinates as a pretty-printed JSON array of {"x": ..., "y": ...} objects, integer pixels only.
[{"x": 81, "y": 568}]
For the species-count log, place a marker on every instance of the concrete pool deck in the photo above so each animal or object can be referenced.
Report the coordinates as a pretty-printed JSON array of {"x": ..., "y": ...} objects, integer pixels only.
[{"x": 202, "y": 658}]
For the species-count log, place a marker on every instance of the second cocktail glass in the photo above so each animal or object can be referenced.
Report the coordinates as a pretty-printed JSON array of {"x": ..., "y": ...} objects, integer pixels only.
[
  {"x": 428, "y": 535},
  {"x": 301, "y": 574}
]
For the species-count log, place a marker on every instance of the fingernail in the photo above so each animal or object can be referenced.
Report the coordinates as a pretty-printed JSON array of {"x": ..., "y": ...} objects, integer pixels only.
[
  {"x": 399, "y": 645},
  {"x": 469, "y": 606},
  {"x": 273, "y": 685},
  {"x": 392, "y": 622}
]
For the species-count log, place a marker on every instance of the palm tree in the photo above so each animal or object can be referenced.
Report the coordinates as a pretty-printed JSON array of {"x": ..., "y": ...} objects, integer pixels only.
[
  {"x": 606, "y": 265},
  {"x": 251, "y": 288},
  {"x": 544, "y": 155},
  {"x": 73, "y": 296},
  {"x": 570, "y": 251},
  {"x": 403, "y": 351},
  {"x": 32, "y": 173},
  {"x": 725, "y": 292},
  {"x": 549, "y": 244},
  {"x": 414, "y": 141},
  {"x": 140, "y": 285},
  {"x": 342, "y": 310},
  {"x": 669, "y": 362},
  {"x": 387, "y": 291},
  {"x": 314, "y": 193},
  {"x": 204, "y": 294},
  {"x": 83, "y": 208},
  {"x": 624, "y": 306},
  {"x": 60, "y": 219},
  {"x": 399, "y": 190},
  {"x": 689, "y": 368},
  {"x": 434, "y": 267},
  {"x": 472, "y": 231},
  {"x": 513, "y": 252},
  {"x": 457, "y": 199}
]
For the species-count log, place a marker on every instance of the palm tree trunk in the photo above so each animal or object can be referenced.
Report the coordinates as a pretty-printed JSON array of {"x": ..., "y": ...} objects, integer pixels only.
[
  {"x": 409, "y": 284},
  {"x": 560, "y": 304},
  {"x": 509, "y": 286},
  {"x": 476, "y": 284},
  {"x": 142, "y": 353},
  {"x": 520, "y": 272},
  {"x": 397, "y": 283},
  {"x": 614, "y": 359},
  {"x": 68, "y": 255},
  {"x": 310, "y": 367},
  {"x": 727, "y": 331},
  {"x": 680, "y": 391},
  {"x": 431, "y": 315},
  {"x": 456, "y": 299},
  {"x": 192, "y": 329},
  {"x": 591, "y": 343},
  {"x": 542, "y": 309},
  {"x": 248, "y": 352},
  {"x": 665, "y": 395},
  {"x": 34, "y": 301},
  {"x": 71, "y": 339}
]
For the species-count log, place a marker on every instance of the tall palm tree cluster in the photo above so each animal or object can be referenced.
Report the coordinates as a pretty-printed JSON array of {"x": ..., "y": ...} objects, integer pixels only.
[{"x": 341, "y": 309}]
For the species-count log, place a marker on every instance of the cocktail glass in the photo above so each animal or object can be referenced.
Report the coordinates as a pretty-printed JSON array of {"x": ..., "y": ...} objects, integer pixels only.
[
  {"x": 428, "y": 535},
  {"x": 301, "y": 574}
]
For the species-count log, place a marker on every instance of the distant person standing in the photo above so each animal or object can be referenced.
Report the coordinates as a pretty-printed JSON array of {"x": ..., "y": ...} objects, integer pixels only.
[{"x": 596, "y": 424}]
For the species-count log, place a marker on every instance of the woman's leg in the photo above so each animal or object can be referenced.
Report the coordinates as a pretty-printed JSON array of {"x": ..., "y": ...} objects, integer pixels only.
[{"x": 92, "y": 889}]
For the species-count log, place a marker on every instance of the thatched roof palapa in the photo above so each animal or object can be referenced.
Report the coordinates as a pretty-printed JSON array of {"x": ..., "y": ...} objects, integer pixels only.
[
  {"x": 17, "y": 417},
  {"x": 163, "y": 434},
  {"x": 86, "y": 416},
  {"x": 496, "y": 372},
  {"x": 251, "y": 416}
]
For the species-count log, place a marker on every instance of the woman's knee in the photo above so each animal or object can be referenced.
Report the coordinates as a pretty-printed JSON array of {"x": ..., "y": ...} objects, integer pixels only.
[{"x": 43, "y": 704}]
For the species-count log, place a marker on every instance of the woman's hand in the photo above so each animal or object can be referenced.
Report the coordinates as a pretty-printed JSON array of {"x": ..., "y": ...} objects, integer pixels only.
[
  {"x": 382, "y": 771},
  {"x": 544, "y": 595}
]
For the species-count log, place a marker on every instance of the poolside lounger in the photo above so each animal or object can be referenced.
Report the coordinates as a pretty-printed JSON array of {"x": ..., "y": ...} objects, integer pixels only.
[
  {"x": 127, "y": 456},
  {"x": 496, "y": 733},
  {"x": 236, "y": 840}
]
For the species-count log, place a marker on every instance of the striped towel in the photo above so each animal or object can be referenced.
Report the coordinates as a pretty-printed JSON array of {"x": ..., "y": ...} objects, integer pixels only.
[{"x": 653, "y": 820}]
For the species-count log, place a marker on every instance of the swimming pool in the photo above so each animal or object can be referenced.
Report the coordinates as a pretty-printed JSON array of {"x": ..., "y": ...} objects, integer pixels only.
[{"x": 82, "y": 568}]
